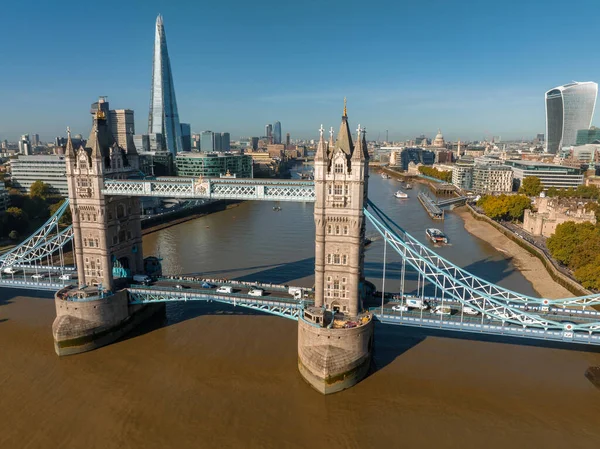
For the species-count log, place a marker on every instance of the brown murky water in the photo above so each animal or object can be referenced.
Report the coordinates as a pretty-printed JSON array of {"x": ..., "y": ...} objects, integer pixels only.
[
  {"x": 218, "y": 377},
  {"x": 220, "y": 380}
]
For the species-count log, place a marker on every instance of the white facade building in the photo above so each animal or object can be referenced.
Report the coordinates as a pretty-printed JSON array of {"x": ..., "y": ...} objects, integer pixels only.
[
  {"x": 489, "y": 179},
  {"x": 49, "y": 169}
]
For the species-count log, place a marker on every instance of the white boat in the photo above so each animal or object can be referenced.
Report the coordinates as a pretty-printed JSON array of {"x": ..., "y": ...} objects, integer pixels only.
[
  {"x": 400, "y": 194},
  {"x": 385, "y": 176},
  {"x": 436, "y": 236}
]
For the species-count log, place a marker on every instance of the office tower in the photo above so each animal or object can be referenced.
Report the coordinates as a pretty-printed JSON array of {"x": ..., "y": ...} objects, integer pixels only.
[
  {"x": 269, "y": 133},
  {"x": 287, "y": 139},
  {"x": 35, "y": 140},
  {"x": 163, "y": 118},
  {"x": 186, "y": 137},
  {"x": 141, "y": 142},
  {"x": 5, "y": 144},
  {"x": 569, "y": 108},
  {"x": 540, "y": 137},
  {"x": 217, "y": 142},
  {"x": 122, "y": 127},
  {"x": 277, "y": 132},
  {"x": 157, "y": 142},
  {"x": 25, "y": 145},
  {"x": 254, "y": 143},
  {"x": 225, "y": 142},
  {"x": 207, "y": 141}
]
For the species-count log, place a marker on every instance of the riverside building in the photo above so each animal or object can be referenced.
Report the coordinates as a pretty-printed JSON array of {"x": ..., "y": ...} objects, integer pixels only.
[
  {"x": 550, "y": 175},
  {"x": 50, "y": 169},
  {"x": 214, "y": 165}
]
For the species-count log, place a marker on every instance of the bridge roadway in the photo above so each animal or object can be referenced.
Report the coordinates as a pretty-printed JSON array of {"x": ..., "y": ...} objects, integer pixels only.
[
  {"x": 475, "y": 324},
  {"x": 275, "y": 300}
]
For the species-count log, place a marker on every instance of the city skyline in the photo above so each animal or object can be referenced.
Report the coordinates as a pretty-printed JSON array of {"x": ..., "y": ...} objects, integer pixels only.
[{"x": 471, "y": 84}]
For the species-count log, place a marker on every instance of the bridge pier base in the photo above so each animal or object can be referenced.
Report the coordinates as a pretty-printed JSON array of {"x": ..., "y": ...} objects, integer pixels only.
[
  {"x": 331, "y": 360},
  {"x": 82, "y": 326}
]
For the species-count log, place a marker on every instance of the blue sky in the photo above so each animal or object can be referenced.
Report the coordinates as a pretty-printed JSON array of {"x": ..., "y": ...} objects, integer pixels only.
[{"x": 471, "y": 68}]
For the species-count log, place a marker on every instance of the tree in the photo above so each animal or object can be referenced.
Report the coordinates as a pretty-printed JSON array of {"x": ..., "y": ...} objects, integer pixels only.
[
  {"x": 571, "y": 238},
  {"x": 16, "y": 219},
  {"x": 66, "y": 218},
  {"x": 504, "y": 207},
  {"x": 517, "y": 205},
  {"x": 39, "y": 189},
  {"x": 531, "y": 186}
]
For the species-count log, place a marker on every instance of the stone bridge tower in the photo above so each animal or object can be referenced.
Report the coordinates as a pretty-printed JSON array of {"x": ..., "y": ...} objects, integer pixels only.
[
  {"x": 335, "y": 336},
  {"x": 107, "y": 230},
  {"x": 107, "y": 242}
]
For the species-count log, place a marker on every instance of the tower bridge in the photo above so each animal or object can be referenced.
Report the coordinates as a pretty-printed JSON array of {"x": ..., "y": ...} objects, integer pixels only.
[{"x": 335, "y": 328}]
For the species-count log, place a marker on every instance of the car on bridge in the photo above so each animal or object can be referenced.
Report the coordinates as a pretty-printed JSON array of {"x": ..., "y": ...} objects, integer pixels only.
[
  {"x": 207, "y": 285},
  {"x": 224, "y": 289},
  {"x": 439, "y": 310},
  {"x": 470, "y": 311},
  {"x": 37, "y": 276},
  {"x": 256, "y": 292},
  {"x": 400, "y": 308},
  {"x": 416, "y": 304},
  {"x": 65, "y": 277},
  {"x": 11, "y": 270}
]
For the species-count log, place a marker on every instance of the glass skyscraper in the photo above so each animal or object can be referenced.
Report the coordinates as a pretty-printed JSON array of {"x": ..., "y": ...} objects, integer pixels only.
[
  {"x": 569, "y": 108},
  {"x": 277, "y": 132},
  {"x": 163, "y": 118}
]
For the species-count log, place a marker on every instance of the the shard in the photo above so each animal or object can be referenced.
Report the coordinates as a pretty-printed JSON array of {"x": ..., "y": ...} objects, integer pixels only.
[{"x": 163, "y": 118}]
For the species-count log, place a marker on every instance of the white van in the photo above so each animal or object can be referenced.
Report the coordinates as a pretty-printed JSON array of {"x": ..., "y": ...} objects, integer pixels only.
[
  {"x": 416, "y": 304},
  {"x": 470, "y": 311},
  {"x": 224, "y": 289},
  {"x": 256, "y": 292},
  {"x": 10, "y": 270},
  {"x": 439, "y": 310}
]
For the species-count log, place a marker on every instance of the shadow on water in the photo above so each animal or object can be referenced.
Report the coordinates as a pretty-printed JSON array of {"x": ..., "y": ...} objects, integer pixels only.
[
  {"x": 283, "y": 273},
  {"x": 7, "y": 296}
]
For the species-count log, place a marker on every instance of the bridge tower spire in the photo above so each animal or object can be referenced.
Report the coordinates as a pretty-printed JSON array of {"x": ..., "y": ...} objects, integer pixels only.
[{"x": 335, "y": 336}]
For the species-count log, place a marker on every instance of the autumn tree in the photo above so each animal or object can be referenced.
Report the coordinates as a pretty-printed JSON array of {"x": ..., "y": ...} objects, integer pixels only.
[
  {"x": 39, "y": 189},
  {"x": 531, "y": 186}
]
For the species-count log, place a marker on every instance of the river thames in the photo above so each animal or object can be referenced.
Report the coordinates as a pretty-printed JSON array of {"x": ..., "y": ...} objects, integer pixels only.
[{"x": 221, "y": 377}]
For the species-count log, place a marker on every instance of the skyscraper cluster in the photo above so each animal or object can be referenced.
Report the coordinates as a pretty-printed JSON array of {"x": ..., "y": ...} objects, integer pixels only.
[{"x": 273, "y": 132}]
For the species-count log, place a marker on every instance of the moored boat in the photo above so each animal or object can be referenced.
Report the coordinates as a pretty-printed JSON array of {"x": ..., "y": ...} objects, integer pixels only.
[{"x": 400, "y": 194}]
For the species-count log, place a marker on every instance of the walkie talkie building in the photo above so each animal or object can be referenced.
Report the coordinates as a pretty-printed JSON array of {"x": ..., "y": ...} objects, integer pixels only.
[
  {"x": 163, "y": 118},
  {"x": 569, "y": 108}
]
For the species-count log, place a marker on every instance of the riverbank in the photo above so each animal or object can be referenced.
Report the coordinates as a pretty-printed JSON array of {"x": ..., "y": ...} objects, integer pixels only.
[{"x": 530, "y": 266}]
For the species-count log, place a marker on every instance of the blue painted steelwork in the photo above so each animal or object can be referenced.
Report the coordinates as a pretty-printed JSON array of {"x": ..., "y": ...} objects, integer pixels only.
[
  {"x": 40, "y": 237},
  {"x": 214, "y": 188},
  {"x": 478, "y": 284},
  {"x": 462, "y": 289},
  {"x": 283, "y": 307},
  {"x": 471, "y": 325}
]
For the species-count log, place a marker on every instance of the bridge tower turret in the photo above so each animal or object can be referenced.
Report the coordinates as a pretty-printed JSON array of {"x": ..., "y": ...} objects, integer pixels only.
[
  {"x": 335, "y": 336},
  {"x": 107, "y": 243}
]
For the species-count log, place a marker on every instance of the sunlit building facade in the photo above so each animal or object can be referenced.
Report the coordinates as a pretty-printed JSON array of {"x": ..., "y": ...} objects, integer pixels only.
[
  {"x": 569, "y": 108},
  {"x": 163, "y": 118}
]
